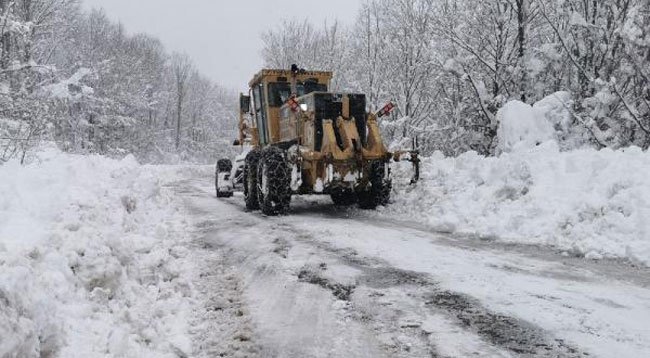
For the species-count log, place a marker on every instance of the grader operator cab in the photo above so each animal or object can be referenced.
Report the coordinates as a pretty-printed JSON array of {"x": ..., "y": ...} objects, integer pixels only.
[{"x": 298, "y": 138}]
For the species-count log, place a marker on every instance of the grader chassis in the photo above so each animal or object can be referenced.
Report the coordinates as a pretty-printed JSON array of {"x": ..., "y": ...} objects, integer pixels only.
[{"x": 298, "y": 138}]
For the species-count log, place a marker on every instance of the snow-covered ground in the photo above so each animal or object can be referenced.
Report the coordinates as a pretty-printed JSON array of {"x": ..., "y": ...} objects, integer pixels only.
[
  {"x": 110, "y": 258},
  {"x": 93, "y": 259},
  {"x": 326, "y": 282},
  {"x": 585, "y": 202}
]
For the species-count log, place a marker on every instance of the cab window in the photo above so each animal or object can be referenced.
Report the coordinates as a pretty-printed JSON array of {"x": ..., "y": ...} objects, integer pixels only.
[
  {"x": 279, "y": 93},
  {"x": 311, "y": 85},
  {"x": 260, "y": 114}
]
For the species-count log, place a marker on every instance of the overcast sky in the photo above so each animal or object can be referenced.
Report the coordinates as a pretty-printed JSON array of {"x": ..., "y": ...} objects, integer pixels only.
[{"x": 222, "y": 37}]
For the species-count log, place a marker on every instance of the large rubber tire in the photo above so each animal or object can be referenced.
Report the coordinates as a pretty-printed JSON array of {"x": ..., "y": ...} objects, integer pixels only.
[
  {"x": 378, "y": 192},
  {"x": 343, "y": 197},
  {"x": 250, "y": 179},
  {"x": 386, "y": 188},
  {"x": 274, "y": 182}
]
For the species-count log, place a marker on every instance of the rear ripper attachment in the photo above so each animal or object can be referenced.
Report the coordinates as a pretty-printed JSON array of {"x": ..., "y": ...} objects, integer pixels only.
[{"x": 302, "y": 139}]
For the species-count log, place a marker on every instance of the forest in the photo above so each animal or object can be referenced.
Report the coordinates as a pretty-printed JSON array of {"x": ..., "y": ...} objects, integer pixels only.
[
  {"x": 451, "y": 65},
  {"x": 77, "y": 79}
]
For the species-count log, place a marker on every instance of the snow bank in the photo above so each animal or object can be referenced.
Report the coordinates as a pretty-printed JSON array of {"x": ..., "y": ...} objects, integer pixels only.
[
  {"x": 587, "y": 202},
  {"x": 92, "y": 260}
]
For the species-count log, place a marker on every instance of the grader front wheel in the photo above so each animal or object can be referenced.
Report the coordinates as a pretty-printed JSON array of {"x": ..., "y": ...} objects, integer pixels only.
[
  {"x": 274, "y": 182},
  {"x": 250, "y": 179}
]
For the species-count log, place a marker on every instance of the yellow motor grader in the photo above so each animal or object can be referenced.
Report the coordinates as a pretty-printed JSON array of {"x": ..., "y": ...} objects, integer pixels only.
[{"x": 298, "y": 138}]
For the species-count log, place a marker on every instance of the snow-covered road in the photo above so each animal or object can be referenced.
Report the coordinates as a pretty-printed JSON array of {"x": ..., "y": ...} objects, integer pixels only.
[{"x": 331, "y": 282}]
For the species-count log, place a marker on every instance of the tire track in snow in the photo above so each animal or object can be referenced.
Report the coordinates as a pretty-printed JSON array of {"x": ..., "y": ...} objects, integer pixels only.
[
  {"x": 289, "y": 318},
  {"x": 400, "y": 320},
  {"x": 612, "y": 268},
  {"x": 221, "y": 323},
  {"x": 514, "y": 335}
]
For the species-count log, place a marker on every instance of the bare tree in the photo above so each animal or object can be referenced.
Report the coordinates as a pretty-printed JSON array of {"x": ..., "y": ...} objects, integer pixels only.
[
  {"x": 368, "y": 44},
  {"x": 182, "y": 69},
  {"x": 299, "y": 42}
]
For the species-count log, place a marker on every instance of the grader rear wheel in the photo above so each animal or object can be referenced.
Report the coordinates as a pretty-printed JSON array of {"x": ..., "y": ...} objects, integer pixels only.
[
  {"x": 378, "y": 192},
  {"x": 343, "y": 197}
]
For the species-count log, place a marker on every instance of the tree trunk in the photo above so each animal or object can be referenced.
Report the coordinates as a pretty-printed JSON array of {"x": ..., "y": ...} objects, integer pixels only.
[
  {"x": 5, "y": 39},
  {"x": 179, "y": 107},
  {"x": 522, "y": 19}
]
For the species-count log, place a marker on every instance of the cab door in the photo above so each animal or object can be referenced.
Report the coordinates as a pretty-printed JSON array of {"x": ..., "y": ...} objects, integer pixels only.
[{"x": 261, "y": 118}]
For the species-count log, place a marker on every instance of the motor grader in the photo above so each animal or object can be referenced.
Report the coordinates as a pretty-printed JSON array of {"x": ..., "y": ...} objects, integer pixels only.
[{"x": 299, "y": 138}]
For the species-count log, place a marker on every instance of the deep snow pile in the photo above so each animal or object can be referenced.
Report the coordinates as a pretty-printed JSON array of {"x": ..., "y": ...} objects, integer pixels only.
[
  {"x": 93, "y": 261},
  {"x": 585, "y": 202}
]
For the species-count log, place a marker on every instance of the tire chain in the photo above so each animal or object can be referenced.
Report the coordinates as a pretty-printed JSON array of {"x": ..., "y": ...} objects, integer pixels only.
[
  {"x": 278, "y": 182},
  {"x": 344, "y": 197},
  {"x": 379, "y": 192},
  {"x": 250, "y": 179}
]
